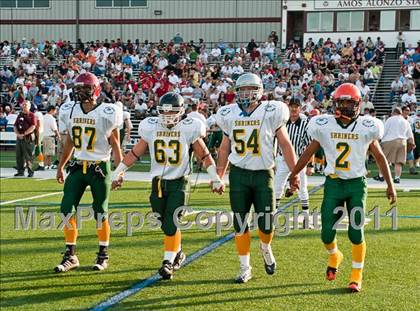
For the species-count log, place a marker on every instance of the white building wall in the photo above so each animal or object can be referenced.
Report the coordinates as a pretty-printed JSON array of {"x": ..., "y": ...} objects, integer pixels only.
[
  {"x": 59, "y": 9},
  {"x": 180, "y": 9}
]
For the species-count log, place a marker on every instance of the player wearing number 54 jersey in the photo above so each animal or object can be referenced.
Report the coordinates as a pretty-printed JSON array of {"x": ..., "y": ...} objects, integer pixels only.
[
  {"x": 346, "y": 138},
  {"x": 250, "y": 129},
  {"x": 93, "y": 130},
  {"x": 168, "y": 139}
]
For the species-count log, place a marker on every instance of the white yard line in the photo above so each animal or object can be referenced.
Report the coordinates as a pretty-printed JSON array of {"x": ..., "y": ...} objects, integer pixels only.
[{"x": 31, "y": 198}]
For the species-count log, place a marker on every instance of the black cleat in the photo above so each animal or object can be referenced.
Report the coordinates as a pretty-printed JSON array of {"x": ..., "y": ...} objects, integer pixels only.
[
  {"x": 69, "y": 262},
  {"x": 40, "y": 168},
  {"x": 31, "y": 174},
  {"x": 396, "y": 180},
  {"x": 269, "y": 260},
  {"x": 19, "y": 174},
  {"x": 378, "y": 178},
  {"x": 167, "y": 270},
  {"x": 179, "y": 259},
  {"x": 101, "y": 262}
]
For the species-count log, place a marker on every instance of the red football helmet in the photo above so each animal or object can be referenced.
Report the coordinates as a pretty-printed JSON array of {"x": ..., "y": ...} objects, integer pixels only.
[
  {"x": 348, "y": 101},
  {"x": 87, "y": 87}
]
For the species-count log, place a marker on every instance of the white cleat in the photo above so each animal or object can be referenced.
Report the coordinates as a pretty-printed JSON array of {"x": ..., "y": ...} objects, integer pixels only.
[
  {"x": 244, "y": 275},
  {"x": 269, "y": 260},
  {"x": 69, "y": 262}
]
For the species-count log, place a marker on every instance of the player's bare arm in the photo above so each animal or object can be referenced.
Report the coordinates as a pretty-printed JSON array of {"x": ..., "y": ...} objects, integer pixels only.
[
  {"x": 202, "y": 154},
  {"x": 383, "y": 166},
  {"x": 288, "y": 152},
  {"x": 114, "y": 141},
  {"x": 222, "y": 161},
  {"x": 129, "y": 159},
  {"x": 67, "y": 152},
  {"x": 302, "y": 162}
]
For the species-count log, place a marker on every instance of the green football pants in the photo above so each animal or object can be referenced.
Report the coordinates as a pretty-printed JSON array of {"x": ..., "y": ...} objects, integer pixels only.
[
  {"x": 166, "y": 197},
  {"x": 252, "y": 188},
  {"x": 337, "y": 192},
  {"x": 100, "y": 187}
]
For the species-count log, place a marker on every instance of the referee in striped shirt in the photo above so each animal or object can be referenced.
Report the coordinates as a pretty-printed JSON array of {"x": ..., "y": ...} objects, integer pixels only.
[{"x": 297, "y": 128}]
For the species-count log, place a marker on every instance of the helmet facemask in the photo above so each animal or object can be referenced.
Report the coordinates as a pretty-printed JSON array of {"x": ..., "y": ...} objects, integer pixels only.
[
  {"x": 346, "y": 108},
  {"x": 84, "y": 93},
  {"x": 246, "y": 97},
  {"x": 170, "y": 116}
]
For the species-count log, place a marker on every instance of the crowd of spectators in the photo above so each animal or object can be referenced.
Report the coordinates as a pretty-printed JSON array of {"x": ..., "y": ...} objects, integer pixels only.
[{"x": 138, "y": 73}]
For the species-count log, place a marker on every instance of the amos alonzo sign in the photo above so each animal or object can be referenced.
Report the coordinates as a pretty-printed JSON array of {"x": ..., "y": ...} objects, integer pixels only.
[{"x": 365, "y": 4}]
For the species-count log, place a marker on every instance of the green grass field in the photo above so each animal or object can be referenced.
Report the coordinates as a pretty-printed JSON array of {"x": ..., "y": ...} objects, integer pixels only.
[{"x": 28, "y": 282}]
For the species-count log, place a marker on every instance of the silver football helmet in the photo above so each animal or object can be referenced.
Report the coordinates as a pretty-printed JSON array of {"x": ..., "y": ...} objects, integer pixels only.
[{"x": 249, "y": 89}]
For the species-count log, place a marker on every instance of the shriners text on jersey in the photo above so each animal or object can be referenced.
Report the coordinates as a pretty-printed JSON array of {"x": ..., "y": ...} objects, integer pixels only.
[
  {"x": 90, "y": 131},
  {"x": 345, "y": 147},
  {"x": 252, "y": 135}
]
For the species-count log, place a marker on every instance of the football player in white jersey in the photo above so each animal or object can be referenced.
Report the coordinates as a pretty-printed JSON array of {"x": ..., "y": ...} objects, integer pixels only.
[
  {"x": 346, "y": 138},
  {"x": 250, "y": 129},
  {"x": 168, "y": 139},
  {"x": 93, "y": 130}
]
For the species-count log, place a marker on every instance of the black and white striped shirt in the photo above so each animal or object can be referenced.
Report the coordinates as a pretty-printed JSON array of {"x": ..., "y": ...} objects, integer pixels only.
[{"x": 298, "y": 133}]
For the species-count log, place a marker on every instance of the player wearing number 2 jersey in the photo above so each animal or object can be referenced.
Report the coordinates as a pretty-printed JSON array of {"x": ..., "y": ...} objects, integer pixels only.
[
  {"x": 250, "y": 130},
  {"x": 93, "y": 130},
  {"x": 169, "y": 140},
  {"x": 346, "y": 138}
]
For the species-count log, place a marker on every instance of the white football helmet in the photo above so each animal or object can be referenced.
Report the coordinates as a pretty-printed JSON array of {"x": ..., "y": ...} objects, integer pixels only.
[{"x": 248, "y": 96}]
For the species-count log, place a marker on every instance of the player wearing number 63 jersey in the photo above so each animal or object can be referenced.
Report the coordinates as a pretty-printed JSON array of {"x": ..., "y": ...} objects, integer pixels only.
[
  {"x": 168, "y": 139},
  {"x": 93, "y": 130},
  {"x": 346, "y": 138},
  {"x": 250, "y": 128}
]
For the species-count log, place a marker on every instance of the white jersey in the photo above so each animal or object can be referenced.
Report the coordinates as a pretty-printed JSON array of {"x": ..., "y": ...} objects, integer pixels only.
[
  {"x": 346, "y": 147},
  {"x": 253, "y": 136},
  {"x": 416, "y": 124},
  {"x": 169, "y": 148},
  {"x": 90, "y": 131},
  {"x": 40, "y": 122}
]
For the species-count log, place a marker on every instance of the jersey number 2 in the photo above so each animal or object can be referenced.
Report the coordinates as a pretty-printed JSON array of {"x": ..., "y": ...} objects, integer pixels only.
[
  {"x": 77, "y": 137},
  {"x": 341, "y": 163},
  {"x": 252, "y": 143}
]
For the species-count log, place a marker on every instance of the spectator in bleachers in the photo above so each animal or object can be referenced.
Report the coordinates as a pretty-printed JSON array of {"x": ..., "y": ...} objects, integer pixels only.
[
  {"x": 3, "y": 120},
  {"x": 409, "y": 98},
  {"x": 396, "y": 88}
]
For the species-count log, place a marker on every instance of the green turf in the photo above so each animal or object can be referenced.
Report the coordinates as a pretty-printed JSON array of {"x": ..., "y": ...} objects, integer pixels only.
[
  {"x": 8, "y": 160},
  {"x": 27, "y": 258}
]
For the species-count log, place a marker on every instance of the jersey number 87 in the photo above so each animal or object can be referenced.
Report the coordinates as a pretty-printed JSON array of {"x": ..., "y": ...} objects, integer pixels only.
[{"x": 90, "y": 132}]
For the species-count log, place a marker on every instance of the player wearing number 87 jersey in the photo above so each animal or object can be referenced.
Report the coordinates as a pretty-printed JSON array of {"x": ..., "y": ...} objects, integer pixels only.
[
  {"x": 168, "y": 139},
  {"x": 250, "y": 129},
  {"x": 93, "y": 130},
  {"x": 346, "y": 138}
]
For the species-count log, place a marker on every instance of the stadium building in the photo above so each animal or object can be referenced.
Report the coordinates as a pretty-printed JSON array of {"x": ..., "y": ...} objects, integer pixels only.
[
  {"x": 351, "y": 18},
  {"x": 230, "y": 20}
]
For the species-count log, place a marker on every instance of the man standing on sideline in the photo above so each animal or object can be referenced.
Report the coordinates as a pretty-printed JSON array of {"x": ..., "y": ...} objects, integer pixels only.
[
  {"x": 397, "y": 139},
  {"x": 24, "y": 128},
  {"x": 297, "y": 127},
  {"x": 39, "y": 138},
  {"x": 50, "y": 133}
]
